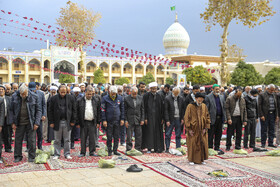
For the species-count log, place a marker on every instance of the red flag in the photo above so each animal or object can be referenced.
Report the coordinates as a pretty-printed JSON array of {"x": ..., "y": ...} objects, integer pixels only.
[
  {"x": 31, "y": 19},
  {"x": 49, "y": 26},
  {"x": 25, "y": 17},
  {"x": 3, "y": 11},
  {"x": 113, "y": 45},
  {"x": 9, "y": 12},
  {"x": 122, "y": 48}
]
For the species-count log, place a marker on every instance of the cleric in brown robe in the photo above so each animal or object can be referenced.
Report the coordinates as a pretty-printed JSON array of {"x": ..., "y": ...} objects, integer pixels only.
[{"x": 197, "y": 123}]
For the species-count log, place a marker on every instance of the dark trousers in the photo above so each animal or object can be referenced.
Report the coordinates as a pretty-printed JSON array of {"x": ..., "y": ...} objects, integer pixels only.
[
  {"x": 122, "y": 134},
  {"x": 113, "y": 130},
  {"x": 137, "y": 130},
  {"x": 235, "y": 126},
  {"x": 215, "y": 130},
  {"x": 88, "y": 131},
  {"x": 168, "y": 133},
  {"x": 50, "y": 133},
  {"x": 75, "y": 134},
  {"x": 40, "y": 135},
  {"x": 1, "y": 143},
  {"x": 31, "y": 141},
  {"x": 250, "y": 129},
  {"x": 268, "y": 125},
  {"x": 7, "y": 136}
]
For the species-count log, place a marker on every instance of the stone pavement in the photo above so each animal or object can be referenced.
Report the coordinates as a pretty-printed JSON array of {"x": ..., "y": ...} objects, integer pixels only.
[{"x": 117, "y": 176}]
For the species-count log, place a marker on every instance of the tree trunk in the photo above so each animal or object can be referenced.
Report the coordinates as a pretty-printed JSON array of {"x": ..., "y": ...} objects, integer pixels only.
[
  {"x": 82, "y": 62},
  {"x": 224, "y": 54}
]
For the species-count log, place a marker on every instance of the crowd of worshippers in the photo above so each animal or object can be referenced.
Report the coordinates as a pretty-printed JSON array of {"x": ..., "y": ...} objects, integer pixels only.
[{"x": 34, "y": 113}]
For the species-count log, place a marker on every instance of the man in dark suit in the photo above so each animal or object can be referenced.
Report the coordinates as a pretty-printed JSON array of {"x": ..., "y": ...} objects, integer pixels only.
[
  {"x": 62, "y": 116},
  {"x": 173, "y": 116},
  {"x": 216, "y": 107},
  {"x": 134, "y": 118},
  {"x": 2, "y": 119},
  {"x": 7, "y": 128},
  {"x": 33, "y": 87},
  {"x": 25, "y": 116},
  {"x": 268, "y": 112},
  {"x": 88, "y": 112}
]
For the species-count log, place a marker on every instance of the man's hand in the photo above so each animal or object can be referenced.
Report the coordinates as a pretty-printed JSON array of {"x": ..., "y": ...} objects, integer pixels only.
[
  {"x": 182, "y": 122},
  {"x": 263, "y": 118},
  {"x": 126, "y": 124},
  {"x": 35, "y": 127},
  {"x": 257, "y": 120},
  {"x": 122, "y": 123},
  {"x": 97, "y": 126},
  {"x": 168, "y": 124},
  {"x": 14, "y": 126},
  {"x": 162, "y": 121},
  {"x": 244, "y": 123},
  {"x": 146, "y": 122},
  {"x": 277, "y": 119},
  {"x": 52, "y": 125},
  {"x": 229, "y": 122},
  {"x": 204, "y": 131},
  {"x": 105, "y": 124},
  {"x": 43, "y": 118},
  {"x": 72, "y": 124},
  {"x": 191, "y": 132},
  {"x": 78, "y": 126},
  {"x": 142, "y": 123},
  {"x": 0, "y": 129}
]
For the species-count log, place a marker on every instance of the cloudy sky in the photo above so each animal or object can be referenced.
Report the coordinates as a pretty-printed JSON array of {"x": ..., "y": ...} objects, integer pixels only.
[{"x": 140, "y": 25}]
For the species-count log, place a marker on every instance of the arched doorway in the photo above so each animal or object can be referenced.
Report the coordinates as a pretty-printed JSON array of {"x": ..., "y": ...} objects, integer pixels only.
[
  {"x": 34, "y": 65},
  {"x": 47, "y": 65},
  {"x": 116, "y": 68},
  {"x": 150, "y": 69},
  {"x": 47, "y": 80},
  {"x": 3, "y": 63},
  {"x": 127, "y": 69},
  {"x": 139, "y": 69},
  {"x": 63, "y": 66},
  {"x": 91, "y": 67},
  {"x": 104, "y": 67},
  {"x": 159, "y": 70}
]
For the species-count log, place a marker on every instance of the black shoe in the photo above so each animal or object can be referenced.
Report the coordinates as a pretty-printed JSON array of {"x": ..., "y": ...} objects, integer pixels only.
[
  {"x": 167, "y": 150},
  {"x": 220, "y": 152},
  {"x": 116, "y": 153},
  {"x": 18, "y": 159},
  {"x": 93, "y": 154},
  {"x": 31, "y": 159},
  {"x": 97, "y": 146},
  {"x": 263, "y": 146},
  {"x": 26, "y": 150},
  {"x": 134, "y": 168},
  {"x": 245, "y": 147},
  {"x": 228, "y": 149},
  {"x": 237, "y": 147},
  {"x": 274, "y": 146},
  {"x": 81, "y": 155},
  {"x": 8, "y": 151},
  {"x": 72, "y": 146},
  {"x": 109, "y": 153}
]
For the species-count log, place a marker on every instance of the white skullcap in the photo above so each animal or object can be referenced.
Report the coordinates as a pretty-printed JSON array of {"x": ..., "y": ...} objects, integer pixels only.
[
  {"x": 53, "y": 88},
  {"x": 258, "y": 86},
  {"x": 153, "y": 84},
  {"x": 82, "y": 84},
  {"x": 76, "y": 89},
  {"x": 191, "y": 87},
  {"x": 113, "y": 89},
  {"x": 202, "y": 88}
]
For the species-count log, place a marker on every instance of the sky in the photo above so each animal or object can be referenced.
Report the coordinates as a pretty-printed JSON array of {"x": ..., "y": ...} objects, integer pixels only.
[{"x": 140, "y": 25}]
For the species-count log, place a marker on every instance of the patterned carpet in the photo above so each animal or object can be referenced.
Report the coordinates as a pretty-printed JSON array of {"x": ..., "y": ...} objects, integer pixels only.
[{"x": 171, "y": 166}]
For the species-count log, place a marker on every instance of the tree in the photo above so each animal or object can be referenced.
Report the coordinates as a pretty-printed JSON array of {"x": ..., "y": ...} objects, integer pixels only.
[
  {"x": 99, "y": 76},
  {"x": 65, "y": 78},
  {"x": 122, "y": 80},
  {"x": 246, "y": 75},
  {"x": 273, "y": 77},
  {"x": 198, "y": 75},
  {"x": 235, "y": 52},
  {"x": 250, "y": 12},
  {"x": 169, "y": 81},
  {"x": 76, "y": 25},
  {"x": 148, "y": 78}
]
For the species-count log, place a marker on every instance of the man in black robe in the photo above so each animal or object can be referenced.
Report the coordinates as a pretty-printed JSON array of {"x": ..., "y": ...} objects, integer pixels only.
[{"x": 153, "y": 128}]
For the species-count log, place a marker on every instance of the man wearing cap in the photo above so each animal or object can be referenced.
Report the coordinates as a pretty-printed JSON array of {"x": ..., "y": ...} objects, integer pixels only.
[
  {"x": 216, "y": 107},
  {"x": 236, "y": 116},
  {"x": 112, "y": 108},
  {"x": 6, "y": 129},
  {"x": 153, "y": 128},
  {"x": 197, "y": 123},
  {"x": 252, "y": 118},
  {"x": 41, "y": 99},
  {"x": 62, "y": 115},
  {"x": 26, "y": 114}
]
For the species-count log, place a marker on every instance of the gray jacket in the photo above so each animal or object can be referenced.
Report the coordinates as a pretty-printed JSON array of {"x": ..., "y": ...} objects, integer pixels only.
[
  {"x": 2, "y": 112},
  {"x": 211, "y": 105},
  {"x": 134, "y": 115}
]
